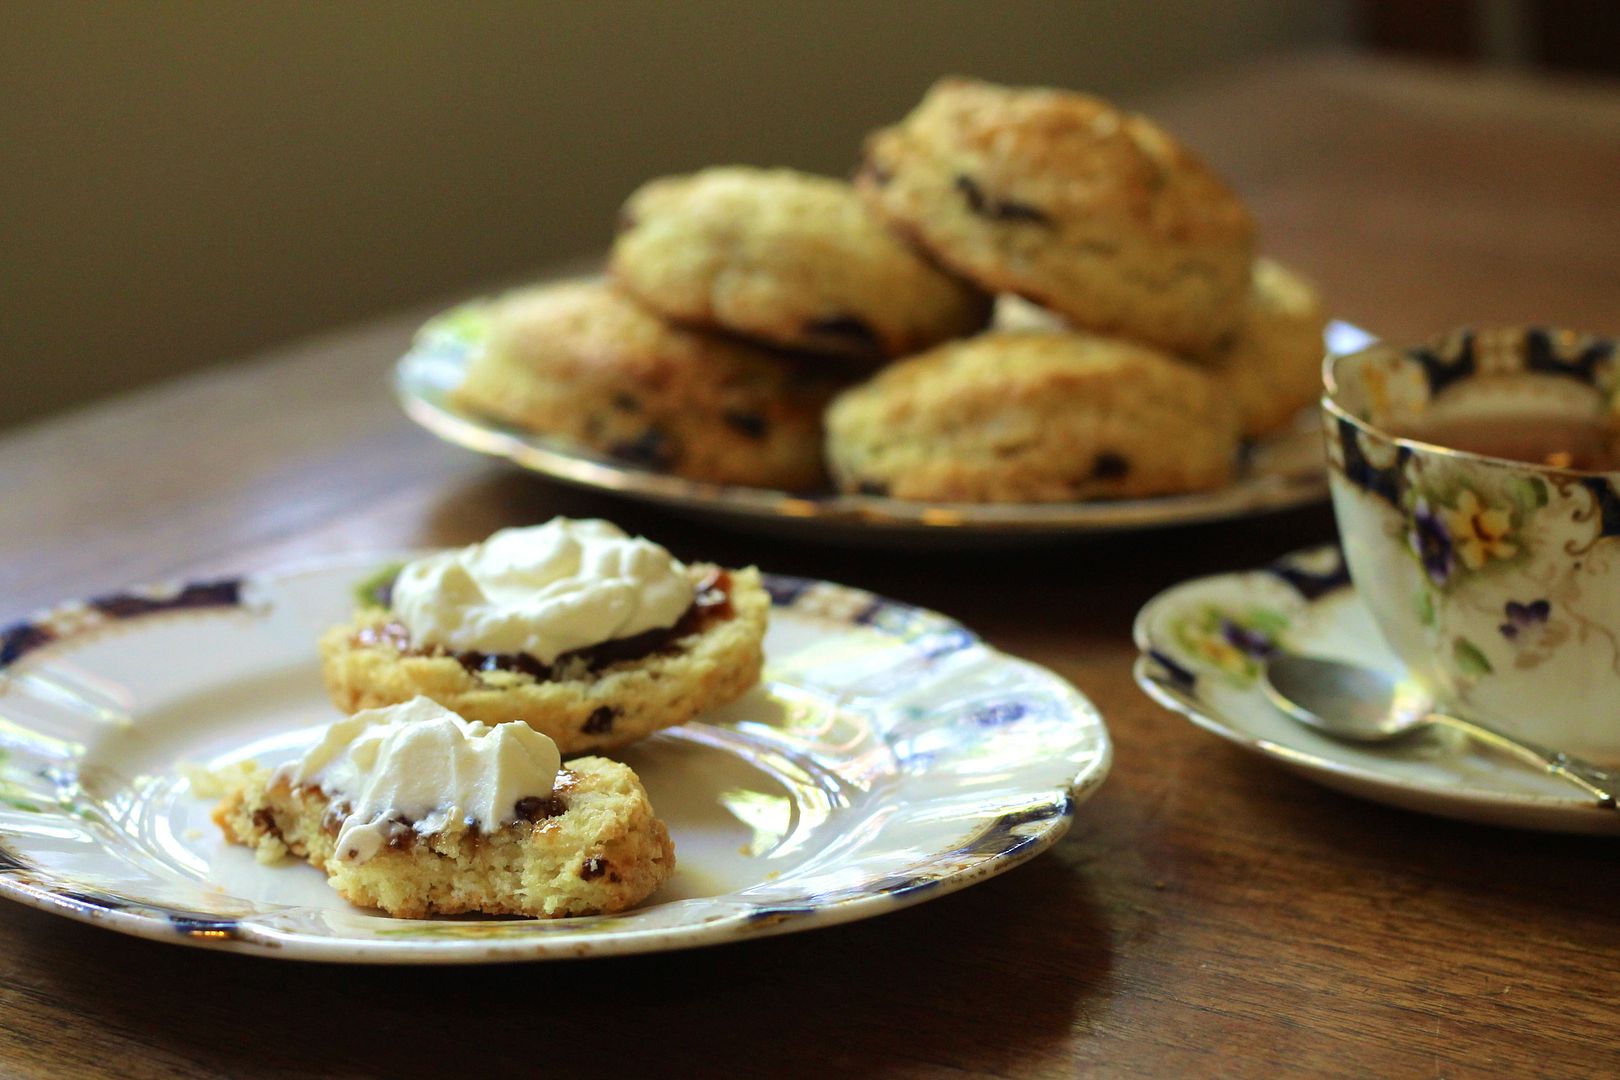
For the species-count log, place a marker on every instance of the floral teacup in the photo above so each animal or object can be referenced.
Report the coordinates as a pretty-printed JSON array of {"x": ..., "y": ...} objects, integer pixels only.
[{"x": 1496, "y": 580}]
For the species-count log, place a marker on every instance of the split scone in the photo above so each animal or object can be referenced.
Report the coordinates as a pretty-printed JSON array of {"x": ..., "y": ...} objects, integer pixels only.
[
  {"x": 420, "y": 812},
  {"x": 588, "y": 635}
]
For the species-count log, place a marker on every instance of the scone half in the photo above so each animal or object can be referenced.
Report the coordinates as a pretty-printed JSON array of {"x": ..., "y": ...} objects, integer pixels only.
[
  {"x": 595, "y": 699},
  {"x": 593, "y": 847}
]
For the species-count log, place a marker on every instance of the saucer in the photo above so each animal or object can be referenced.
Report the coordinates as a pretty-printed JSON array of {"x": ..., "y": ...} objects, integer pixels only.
[{"x": 1204, "y": 642}]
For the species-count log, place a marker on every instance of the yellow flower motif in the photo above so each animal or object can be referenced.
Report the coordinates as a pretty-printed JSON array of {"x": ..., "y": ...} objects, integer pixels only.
[
  {"x": 1479, "y": 534},
  {"x": 1223, "y": 655}
]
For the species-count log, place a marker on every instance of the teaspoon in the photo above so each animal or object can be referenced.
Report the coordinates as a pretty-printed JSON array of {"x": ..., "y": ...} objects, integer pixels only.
[{"x": 1362, "y": 704}]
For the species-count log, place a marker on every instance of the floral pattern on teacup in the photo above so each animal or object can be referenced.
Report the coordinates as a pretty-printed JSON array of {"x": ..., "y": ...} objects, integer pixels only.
[
  {"x": 1480, "y": 533},
  {"x": 1533, "y": 631},
  {"x": 1463, "y": 535},
  {"x": 1523, "y": 617},
  {"x": 1428, "y": 538}
]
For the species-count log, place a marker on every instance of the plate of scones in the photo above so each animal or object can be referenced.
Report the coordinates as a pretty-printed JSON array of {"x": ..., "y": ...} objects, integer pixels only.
[
  {"x": 558, "y": 742},
  {"x": 1029, "y": 313}
]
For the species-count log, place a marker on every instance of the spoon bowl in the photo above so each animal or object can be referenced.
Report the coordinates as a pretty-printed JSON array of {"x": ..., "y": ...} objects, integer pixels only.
[{"x": 1347, "y": 701}]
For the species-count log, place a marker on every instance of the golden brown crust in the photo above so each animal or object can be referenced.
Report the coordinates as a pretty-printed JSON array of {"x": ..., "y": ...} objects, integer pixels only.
[
  {"x": 604, "y": 853},
  {"x": 581, "y": 711},
  {"x": 791, "y": 259},
  {"x": 1033, "y": 416},
  {"x": 1271, "y": 365},
  {"x": 1061, "y": 198},
  {"x": 580, "y": 361}
]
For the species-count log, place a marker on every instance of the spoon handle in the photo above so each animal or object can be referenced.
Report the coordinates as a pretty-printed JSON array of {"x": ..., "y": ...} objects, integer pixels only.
[{"x": 1596, "y": 782}]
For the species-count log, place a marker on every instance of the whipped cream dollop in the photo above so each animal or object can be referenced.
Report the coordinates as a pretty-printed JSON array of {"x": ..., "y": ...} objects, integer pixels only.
[
  {"x": 543, "y": 590},
  {"x": 420, "y": 766}
]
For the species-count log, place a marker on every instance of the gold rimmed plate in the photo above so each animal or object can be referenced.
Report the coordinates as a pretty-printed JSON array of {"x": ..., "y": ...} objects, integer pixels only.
[{"x": 887, "y": 757}]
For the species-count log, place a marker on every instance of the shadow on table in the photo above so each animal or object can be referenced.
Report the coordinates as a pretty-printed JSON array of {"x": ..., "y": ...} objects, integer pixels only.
[
  {"x": 1118, "y": 571},
  {"x": 981, "y": 979},
  {"x": 1362, "y": 861}
]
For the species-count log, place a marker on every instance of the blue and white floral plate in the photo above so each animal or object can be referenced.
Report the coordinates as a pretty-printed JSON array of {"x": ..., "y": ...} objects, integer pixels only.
[
  {"x": 1203, "y": 644},
  {"x": 1281, "y": 471},
  {"x": 888, "y": 757}
]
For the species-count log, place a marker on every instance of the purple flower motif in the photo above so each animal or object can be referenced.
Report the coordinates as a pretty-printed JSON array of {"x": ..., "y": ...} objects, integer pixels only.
[
  {"x": 1431, "y": 541},
  {"x": 1252, "y": 643},
  {"x": 1522, "y": 617}
]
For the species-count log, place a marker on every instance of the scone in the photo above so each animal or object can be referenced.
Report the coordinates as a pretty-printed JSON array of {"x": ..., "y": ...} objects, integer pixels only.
[
  {"x": 558, "y": 632},
  {"x": 789, "y": 259},
  {"x": 1272, "y": 366},
  {"x": 1059, "y": 197},
  {"x": 1033, "y": 417},
  {"x": 581, "y": 361},
  {"x": 422, "y": 813}
]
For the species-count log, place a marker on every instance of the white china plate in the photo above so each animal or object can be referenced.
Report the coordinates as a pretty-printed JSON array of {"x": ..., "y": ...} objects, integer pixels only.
[
  {"x": 888, "y": 757},
  {"x": 1201, "y": 644},
  {"x": 1282, "y": 471}
]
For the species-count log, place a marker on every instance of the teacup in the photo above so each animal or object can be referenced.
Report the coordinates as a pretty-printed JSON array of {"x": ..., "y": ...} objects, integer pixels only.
[{"x": 1476, "y": 482}]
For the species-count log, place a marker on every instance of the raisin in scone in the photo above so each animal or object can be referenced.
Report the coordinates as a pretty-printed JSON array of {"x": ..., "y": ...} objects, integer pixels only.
[
  {"x": 416, "y": 811},
  {"x": 581, "y": 361},
  {"x": 787, "y": 258},
  {"x": 595, "y": 638},
  {"x": 1059, "y": 197},
  {"x": 1034, "y": 416},
  {"x": 1273, "y": 364}
]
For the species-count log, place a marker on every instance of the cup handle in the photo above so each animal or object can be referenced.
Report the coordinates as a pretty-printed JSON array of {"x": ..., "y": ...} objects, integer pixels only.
[{"x": 1595, "y": 781}]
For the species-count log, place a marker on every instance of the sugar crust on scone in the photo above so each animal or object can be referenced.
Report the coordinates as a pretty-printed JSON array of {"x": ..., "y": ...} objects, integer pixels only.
[
  {"x": 580, "y": 710},
  {"x": 595, "y": 847}
]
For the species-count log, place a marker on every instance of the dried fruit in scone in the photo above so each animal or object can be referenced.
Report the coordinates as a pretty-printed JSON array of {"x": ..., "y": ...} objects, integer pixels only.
[
  {"x": 582, "y": 362},
  {"x": 789, "y": 259},
  {"x": 1061, "y": 198},
  {"x": 416, "y": 811},
  {"x": 1033, "y": 416},
  {"x": 592, "y": 637}
]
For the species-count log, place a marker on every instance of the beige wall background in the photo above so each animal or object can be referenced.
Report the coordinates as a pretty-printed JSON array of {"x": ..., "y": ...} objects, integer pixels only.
[{"x": 187, "y": 182}]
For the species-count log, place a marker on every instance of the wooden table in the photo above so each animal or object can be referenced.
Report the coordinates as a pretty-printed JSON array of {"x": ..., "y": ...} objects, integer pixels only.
[{"x": 1207, "y": 913}]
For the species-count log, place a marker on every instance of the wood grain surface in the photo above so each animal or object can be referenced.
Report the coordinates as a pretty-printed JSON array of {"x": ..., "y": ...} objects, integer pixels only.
[{"x": 1207, "y": 914}]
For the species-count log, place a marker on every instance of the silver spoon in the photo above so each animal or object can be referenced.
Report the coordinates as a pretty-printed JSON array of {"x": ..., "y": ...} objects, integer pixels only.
[{"x": 1362, "y": 704}]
